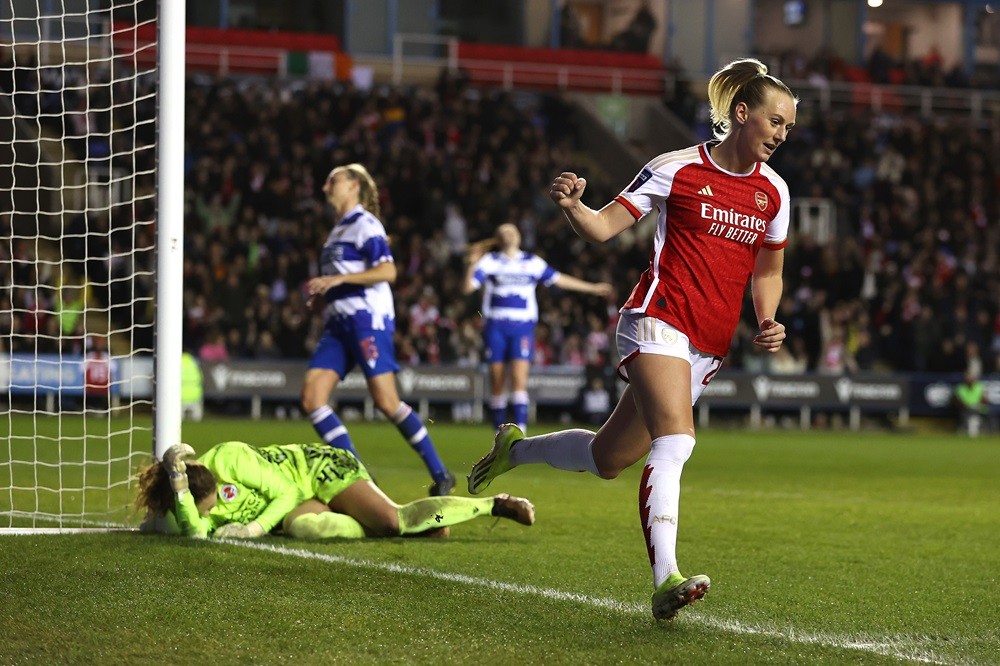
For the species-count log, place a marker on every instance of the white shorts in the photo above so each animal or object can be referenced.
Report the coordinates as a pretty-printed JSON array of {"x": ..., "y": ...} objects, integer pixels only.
[{"x": 639, "y": 334}]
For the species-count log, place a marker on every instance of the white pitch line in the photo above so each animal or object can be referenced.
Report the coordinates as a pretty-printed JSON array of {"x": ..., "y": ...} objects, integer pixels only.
[{"x": 896, "y": 649}]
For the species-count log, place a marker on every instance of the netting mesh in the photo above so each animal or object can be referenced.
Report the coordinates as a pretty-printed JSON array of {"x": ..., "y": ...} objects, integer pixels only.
[{"x": 77, "y": 211}]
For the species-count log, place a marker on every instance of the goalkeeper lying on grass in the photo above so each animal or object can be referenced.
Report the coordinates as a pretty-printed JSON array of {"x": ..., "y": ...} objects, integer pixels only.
[{"x": 238, "y": 491}]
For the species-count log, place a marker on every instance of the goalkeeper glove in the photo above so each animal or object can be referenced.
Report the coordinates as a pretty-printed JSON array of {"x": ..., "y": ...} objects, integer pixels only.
[
  {"x": 173, "y": 462},
  {"x": 251, "y": 530}
]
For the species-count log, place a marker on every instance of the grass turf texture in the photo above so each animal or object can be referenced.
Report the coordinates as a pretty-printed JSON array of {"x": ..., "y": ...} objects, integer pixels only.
[{"x": 823, "y": 548}]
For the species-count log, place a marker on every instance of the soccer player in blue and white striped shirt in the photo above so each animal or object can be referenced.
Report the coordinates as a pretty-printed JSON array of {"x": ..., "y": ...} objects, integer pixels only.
[
  {"x": 508, "y": 277},
  {"x": 357, "y": 268}
]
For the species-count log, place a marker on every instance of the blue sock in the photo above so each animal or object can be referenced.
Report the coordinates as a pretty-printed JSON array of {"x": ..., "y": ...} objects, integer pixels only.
[
  {"x": 332, "y": 430},
  {"x": 519, "y": 407},
  {"x": 412, "y": 428}
]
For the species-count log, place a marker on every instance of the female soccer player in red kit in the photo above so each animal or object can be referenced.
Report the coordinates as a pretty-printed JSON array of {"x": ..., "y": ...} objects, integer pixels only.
[{"x": 722, "y": 221}]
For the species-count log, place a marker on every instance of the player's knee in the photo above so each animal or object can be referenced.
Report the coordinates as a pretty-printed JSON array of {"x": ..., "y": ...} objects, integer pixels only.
[
  {"x": 387, "y": 407},
  {"x": 310, "y": 402},
  {"x": 607, "y": 466},
  {"x": 608, "y": 472}
]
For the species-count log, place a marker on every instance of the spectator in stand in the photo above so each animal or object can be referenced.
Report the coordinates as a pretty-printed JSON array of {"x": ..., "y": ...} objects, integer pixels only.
[
  {"x": 357, "y": 269},
  {"x": 595, "y": 401},
  {"x": 293, "y": 327},
  {"x": 509, "y": 277},
  {"x": 571, "y": 352},
  {"x": 544, "y": 353},
  {"x": 70, "y": 309},
  {"x": 192, "y": 388},
  {"x": 880, "y": 63},
  {"x": 636, "y": 35},
  {"x": 790, "y": 359},
  {"x": 570, "y": 34},
  {"x": 238, "y": 345},
  {"x": 596, "y": 344},
  {"x": 266, "y": 349},
  {"x": 973, "y": 408},
  {"x": 424, "y": 312},
  {"x": 214, "y": 349},
  {"x": 835, "y": 360},
  {"x": 99, "y": 373},
  {"x": 863, "y": 357}
]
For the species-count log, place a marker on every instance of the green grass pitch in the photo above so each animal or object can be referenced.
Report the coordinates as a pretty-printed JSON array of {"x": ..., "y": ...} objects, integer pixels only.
[{"x": 823, "y": 548}]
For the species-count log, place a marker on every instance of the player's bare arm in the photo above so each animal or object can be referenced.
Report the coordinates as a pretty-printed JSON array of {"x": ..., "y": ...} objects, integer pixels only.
[
  {"x": 589, "y": 224},
  {"x": 383, "y": 272},
  {"x": 473, "y": 254},
  {"x": 766, "y": 289},
  {"x": 571, "y": 283}
]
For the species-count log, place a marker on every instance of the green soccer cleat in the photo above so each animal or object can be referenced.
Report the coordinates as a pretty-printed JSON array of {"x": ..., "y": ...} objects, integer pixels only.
[
  {"x": 497, "y": 461},
  {"x": 676, "y": 592}
]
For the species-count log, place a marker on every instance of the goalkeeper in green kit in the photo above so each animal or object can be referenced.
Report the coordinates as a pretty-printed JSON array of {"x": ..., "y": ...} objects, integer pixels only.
[{"x": 238, "y": 491}]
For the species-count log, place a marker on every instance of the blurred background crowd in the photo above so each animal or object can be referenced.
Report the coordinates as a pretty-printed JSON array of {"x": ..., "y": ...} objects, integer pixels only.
[{"x": 910, "y": 282}]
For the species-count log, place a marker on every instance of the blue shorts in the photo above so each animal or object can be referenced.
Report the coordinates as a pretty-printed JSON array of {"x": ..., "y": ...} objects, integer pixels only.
[
  {"x": 343, "y": 346},
  {"x": 509, "y": 341}
]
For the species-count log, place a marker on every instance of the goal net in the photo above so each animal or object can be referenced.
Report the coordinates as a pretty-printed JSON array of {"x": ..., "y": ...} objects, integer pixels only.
[{"x": 78, "y": 232}]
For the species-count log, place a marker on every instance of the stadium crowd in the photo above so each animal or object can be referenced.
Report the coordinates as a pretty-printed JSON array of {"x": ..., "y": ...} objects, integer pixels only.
[
  {"x": 911, "y": 282},
  {"x": 452, "y": 164},
  {"x": 104, "y": 261}
]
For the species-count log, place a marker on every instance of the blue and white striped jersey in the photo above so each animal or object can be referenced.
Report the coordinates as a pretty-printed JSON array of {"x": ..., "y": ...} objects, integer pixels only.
[
  {"x": 356, "y": 243},
  {"x": 509, "y": 285}
]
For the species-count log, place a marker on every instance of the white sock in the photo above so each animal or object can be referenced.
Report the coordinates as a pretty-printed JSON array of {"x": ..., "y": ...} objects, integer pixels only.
[
  {"x": 498, "y": 401},
  {"x": 566, "y": 449},
  {"x": 659, "y": 497}
]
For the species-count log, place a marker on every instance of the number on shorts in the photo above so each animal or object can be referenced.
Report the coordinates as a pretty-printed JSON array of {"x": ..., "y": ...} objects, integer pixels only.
[{"x": 707, "y": 378}]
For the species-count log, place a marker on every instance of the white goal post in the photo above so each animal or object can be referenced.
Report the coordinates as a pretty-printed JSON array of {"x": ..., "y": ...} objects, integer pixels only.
[{"x": 91, "y": 254}]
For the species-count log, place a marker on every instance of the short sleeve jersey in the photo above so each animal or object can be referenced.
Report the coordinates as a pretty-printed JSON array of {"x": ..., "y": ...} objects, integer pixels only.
[
  {"x": 509, "y": 285},
  {"x": 356, "y": 243},
  {"x": 711, "y": 224}
]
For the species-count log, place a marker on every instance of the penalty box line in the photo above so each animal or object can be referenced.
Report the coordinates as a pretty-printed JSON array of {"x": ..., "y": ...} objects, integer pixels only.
[{"x": 896, "y": 649}]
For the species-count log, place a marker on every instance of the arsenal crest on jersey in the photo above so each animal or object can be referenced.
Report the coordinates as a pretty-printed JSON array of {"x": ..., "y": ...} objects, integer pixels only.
[{"x": 761, "y": 200}]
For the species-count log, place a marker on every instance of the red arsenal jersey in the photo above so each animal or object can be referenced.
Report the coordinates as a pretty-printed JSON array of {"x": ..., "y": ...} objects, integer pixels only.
[{"x": 711, "y": 224}]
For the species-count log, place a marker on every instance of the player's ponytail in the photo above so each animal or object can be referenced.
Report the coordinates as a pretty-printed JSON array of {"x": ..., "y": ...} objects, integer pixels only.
[
  {"x": 368, "y": 195},
  {"x": 744, "y": 81}
]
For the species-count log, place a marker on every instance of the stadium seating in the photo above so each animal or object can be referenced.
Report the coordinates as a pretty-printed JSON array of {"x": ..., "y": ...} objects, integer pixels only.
[{"x": 562, "y": 69}]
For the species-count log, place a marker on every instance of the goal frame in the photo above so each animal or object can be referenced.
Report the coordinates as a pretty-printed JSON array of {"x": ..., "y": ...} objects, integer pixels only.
[
  {"x": 169, "y": 244},
  {"x": 167, "y": 347}
]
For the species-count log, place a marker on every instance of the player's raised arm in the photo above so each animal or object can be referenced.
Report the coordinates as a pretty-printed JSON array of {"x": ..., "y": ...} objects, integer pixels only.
[
  {"x": 595, "y": 226},
  {"x": 474, "y": 253},
  {"x": 570, "y": 283}
]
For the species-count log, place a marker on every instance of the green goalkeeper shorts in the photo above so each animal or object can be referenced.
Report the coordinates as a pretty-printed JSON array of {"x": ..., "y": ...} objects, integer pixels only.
[{"x": 332, "y": 470}]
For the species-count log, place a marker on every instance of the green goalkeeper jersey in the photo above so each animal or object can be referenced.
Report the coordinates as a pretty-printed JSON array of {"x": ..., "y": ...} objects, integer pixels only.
[{"x": 265, "y": 484}]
